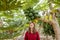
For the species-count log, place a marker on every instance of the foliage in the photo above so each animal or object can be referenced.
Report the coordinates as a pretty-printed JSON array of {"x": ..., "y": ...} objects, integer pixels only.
[
  {"x": 13, "y": 24},
  {"x": 48, "y": 29},
  {"x": 31, "y": 14},
  {"x": 16, "y": 13},
  {"x": 15, "y": 4}
]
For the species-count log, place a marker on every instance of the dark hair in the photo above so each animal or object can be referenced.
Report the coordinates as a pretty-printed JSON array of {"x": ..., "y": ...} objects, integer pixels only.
[{"x": 34, "y": 30}]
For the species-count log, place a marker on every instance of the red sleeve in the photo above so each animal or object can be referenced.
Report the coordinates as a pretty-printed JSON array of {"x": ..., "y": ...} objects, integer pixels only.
[
  {"x": 26, "y": 37},
  {"x": 38, "y": 37}
]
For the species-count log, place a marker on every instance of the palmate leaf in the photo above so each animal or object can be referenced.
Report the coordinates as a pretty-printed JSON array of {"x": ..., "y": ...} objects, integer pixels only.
[
  {"x": 29, "y": 3},
  {"x": 9, "y": 5},
  {"x": 14, "y": 4},
  {"x": 56, "y": 1},
  {"x": 44, "y": 5}
]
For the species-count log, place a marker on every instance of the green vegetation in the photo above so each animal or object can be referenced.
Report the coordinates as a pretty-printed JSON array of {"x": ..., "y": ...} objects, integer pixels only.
[{"x": 16, "y": 14}]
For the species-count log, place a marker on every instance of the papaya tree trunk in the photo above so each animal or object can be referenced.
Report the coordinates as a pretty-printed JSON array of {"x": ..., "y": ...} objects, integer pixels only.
[
  {"x": 55, "y": 26},
  {"x": 56, "y": 29}
]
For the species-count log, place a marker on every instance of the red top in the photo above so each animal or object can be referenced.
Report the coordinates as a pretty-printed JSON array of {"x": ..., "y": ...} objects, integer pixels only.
[{"x": 31, "y": 36}]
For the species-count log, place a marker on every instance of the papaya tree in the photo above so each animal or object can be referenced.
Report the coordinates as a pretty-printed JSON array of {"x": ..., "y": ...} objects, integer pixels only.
[{"x": 30, "y": 9}]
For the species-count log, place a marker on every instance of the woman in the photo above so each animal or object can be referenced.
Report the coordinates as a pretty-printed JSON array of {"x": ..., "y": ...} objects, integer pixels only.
[{"x": 31, "y": 34}]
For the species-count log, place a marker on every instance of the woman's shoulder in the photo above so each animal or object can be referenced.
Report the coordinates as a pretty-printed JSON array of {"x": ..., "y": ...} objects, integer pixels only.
[
  {"x": 26, "y": 32},
  {"x": 37, "y": 32}
]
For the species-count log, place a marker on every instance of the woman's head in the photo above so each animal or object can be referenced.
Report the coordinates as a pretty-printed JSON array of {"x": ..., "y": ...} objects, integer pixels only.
[{"x": 32, "y": 26}]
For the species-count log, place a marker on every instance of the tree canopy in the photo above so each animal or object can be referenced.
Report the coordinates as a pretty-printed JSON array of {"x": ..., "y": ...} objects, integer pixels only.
[{"x": 15, "y": 15}]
